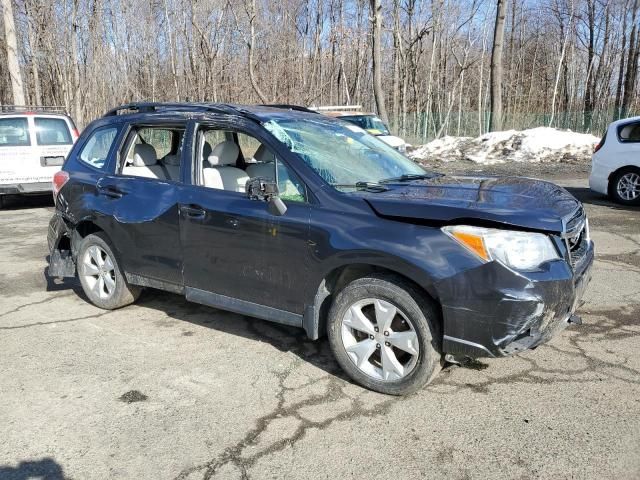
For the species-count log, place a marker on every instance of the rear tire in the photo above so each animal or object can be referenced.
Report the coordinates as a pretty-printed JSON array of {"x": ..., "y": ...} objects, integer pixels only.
[
  {"x": 1, "y": 201},
  {"x": 101, "y": 276},
  {"x": 384, "y": 333},
  {"x": 624, "y": 186}
]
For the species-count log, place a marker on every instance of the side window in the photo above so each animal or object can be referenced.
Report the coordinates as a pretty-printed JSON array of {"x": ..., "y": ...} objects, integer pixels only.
[
  {"x": 96, "y": 150},
  {"x": 629, "y": 133},
  {"x": 14, "y": 132},
  {"x": 154, "y": 152},
  {"x": 290, "y": 186},
  {"x": 52, "y": 131}
]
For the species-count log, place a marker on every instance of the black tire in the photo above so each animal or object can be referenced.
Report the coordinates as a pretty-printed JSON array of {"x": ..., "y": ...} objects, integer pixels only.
[
  {"x": 420, "y": 310},
  {"x": 1, "y": 201},
  {"x": 613, "y": 186},
  {"x": 123, "y": 294}
]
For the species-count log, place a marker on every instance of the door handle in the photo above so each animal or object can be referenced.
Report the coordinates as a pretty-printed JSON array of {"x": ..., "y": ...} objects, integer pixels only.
[
  {"x": 193, "y": 211},
  {"x": 110, "y": 191}
]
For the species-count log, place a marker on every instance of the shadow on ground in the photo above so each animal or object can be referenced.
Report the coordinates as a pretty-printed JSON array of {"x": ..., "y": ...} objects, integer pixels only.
[
  {"x": 21, "y": 202},
  {"x": 588, "y": 196},
  {"x": 45, "y": 469}
]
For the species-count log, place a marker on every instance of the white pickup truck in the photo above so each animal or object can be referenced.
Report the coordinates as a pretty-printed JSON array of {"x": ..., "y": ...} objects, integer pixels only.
[{"x": 34, "y": 141}]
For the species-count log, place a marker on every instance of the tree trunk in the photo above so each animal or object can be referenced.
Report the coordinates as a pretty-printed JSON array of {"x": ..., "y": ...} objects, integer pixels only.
[
  {"x": 13, "y": 64},
  {"x": 250, "y": 47},
  {"x": 376, "y": 28},
  {"x": 495, "y": 121}
]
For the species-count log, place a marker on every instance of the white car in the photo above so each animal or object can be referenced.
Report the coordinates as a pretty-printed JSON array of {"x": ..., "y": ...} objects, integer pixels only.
[
  {"x": 615, "y": 169},
  {"x": 34, "y": 141}
]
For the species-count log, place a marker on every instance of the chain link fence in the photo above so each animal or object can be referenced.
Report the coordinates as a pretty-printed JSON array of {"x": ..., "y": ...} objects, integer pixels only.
[{"x": 421, "y": 127}]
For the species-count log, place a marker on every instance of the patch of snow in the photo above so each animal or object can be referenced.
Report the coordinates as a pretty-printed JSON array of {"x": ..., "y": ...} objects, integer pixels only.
[{"x": 541, "y": 144}]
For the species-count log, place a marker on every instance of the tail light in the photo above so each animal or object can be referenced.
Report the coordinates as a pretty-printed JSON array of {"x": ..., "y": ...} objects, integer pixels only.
[
  {"x": 597, "y": 148},
  {"x": 75, "y": 134},
  {"x": 59, "y": 180}
]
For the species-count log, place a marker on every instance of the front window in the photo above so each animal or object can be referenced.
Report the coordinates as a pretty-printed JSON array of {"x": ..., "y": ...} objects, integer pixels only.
[
  {"x": 370, "y": 123},
  {"x": 344, "y": 155}
]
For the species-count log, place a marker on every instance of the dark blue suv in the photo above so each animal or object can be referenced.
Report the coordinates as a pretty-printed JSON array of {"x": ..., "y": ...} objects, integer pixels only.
[{"x": 287, "y": 215}]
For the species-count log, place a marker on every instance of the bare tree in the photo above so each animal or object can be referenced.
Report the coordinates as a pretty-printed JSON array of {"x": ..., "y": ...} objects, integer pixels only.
[
  {"x": 13, "y": 65},
  {"x": 376, "y": 58},
  {"x": 495, "y": 122}
]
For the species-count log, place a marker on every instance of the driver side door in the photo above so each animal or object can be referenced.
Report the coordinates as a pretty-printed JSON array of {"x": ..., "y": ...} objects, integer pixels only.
[{"x": 237, "y": 255}]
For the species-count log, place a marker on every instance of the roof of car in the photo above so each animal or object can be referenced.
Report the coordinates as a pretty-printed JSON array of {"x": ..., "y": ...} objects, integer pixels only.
[{"x": 255, "y": 112}]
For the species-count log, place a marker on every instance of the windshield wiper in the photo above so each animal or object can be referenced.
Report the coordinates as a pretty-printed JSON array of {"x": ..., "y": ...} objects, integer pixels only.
[
  {"x": 408, "y": 177},
  {"x": 369, "y": 186}
]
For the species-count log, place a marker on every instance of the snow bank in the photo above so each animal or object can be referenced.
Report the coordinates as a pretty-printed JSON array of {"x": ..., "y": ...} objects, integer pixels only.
[{"x": 535, "y": 145}]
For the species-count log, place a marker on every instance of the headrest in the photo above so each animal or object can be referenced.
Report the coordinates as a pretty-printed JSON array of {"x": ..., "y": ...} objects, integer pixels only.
[
  {"x": 172, "y": 160},
  {"x": 144, "y": 155},
  {"x": 225, "y": 153},
  {"x": 264, "y": 155}
]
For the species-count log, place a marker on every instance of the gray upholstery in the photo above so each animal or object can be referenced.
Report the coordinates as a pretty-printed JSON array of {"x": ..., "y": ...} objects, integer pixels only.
[
  {"x": 221, "y": 174},
  {"x": 145, "y": 163}
]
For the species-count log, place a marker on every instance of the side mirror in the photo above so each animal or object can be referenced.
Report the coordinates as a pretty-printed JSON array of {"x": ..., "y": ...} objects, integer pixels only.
[{"x": 266, "y": 190}]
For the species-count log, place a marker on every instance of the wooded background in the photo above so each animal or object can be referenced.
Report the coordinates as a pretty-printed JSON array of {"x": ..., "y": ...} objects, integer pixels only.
[{"x": 566, "y": 63}]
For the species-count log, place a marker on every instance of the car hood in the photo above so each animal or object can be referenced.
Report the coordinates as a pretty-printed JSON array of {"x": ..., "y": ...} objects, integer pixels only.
[{"x": 515, "y": 201}]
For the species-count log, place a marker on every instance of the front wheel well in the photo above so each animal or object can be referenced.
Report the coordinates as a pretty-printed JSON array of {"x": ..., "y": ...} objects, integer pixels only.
[{"x": 338, "y": 278}]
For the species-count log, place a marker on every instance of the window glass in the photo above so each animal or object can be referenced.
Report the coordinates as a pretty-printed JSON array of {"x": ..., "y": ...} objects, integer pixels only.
[
  {"x": 341, "y": 153},
  {"x": 290, "y": 186},
  {"x": 14, "y": 132},
  {"x": 96, "y": 150},
  {"x": 52, "y": 131},
  {"x": 630, "y": 132}
]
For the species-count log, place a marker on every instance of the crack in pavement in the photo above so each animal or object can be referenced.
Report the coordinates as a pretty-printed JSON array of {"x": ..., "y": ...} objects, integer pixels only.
[
  {"x": 38, "y": 324},
  {"x": 39, "y": 302}
]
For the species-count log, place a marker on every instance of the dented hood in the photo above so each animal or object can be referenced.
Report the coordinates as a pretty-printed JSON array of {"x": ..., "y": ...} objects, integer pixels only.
[{"x": 520, "y": 202}]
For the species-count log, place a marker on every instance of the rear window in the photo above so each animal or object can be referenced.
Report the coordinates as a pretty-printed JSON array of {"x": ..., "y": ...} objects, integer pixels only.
[
  {"x": 52, "y": 131},
  {"x": 14, "y": 132}
]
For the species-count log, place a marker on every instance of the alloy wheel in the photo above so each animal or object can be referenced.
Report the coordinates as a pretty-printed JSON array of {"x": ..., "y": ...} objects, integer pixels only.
[
  {"x": 380, "y": 339},
  {"x": 629, "y": 186},
  {"x": 99, "y": 272}
]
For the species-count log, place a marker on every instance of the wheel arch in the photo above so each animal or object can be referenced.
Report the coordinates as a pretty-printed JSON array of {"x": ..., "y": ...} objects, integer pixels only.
[
  {"x": 315, "y": 314},
  {"x": 612, "y": 176}
]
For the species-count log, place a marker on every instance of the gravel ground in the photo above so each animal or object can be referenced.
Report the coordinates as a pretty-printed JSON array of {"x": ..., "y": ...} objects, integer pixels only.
[{"x": 167, "y": 389}]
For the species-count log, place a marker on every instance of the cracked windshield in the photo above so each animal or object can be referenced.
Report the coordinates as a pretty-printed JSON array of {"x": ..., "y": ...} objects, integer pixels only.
[{"x": 344, "y": 155}]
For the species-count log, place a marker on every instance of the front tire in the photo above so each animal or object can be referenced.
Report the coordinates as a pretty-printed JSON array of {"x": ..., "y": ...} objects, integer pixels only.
[
  {"x": 384, "y": 334},
  {"x": 624, "y": 186},
  {"x": 100, "y": 275}
]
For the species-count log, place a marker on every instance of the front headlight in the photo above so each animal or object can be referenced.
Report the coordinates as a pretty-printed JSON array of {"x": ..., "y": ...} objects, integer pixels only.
[
  {"x": 402, "y": 148},
  {"x": 519, "y": 250}
]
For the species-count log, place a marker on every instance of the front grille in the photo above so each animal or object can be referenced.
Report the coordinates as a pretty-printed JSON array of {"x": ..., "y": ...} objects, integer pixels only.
[{"x": 577, "y": 236}]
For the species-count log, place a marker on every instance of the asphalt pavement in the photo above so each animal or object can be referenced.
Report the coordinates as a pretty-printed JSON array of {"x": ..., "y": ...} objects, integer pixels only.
[{"x": 165, "y": 389}]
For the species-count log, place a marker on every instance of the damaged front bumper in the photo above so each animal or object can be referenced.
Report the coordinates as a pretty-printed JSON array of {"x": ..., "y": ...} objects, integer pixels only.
[{"x": 492, "y": 311}]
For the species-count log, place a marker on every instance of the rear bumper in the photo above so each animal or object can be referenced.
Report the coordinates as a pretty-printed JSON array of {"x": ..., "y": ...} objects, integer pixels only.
[
  {"x": 599, "y": 177},
  {"x": 61, "y": 263},
  {"x": 25, "y": 188},
  {"x": 491, "y": 311}
]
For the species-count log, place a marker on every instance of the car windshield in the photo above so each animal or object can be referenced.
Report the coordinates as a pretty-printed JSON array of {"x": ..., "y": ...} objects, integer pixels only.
[
  {"x": 344, "y": 155},
  {"x": 370, "y": 123}
]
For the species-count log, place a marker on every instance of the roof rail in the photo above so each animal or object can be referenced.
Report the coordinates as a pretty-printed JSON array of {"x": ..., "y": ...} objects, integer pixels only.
[
  {"x": 33, "y": 108},
  {"x": 337, "y": 108},
  {"x": 147, "y": 107},
  {"x": 286, "y": 106}
]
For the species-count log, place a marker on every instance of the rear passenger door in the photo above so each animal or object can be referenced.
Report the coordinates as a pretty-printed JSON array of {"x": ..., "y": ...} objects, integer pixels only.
[{"x": 141, "y": 196}]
